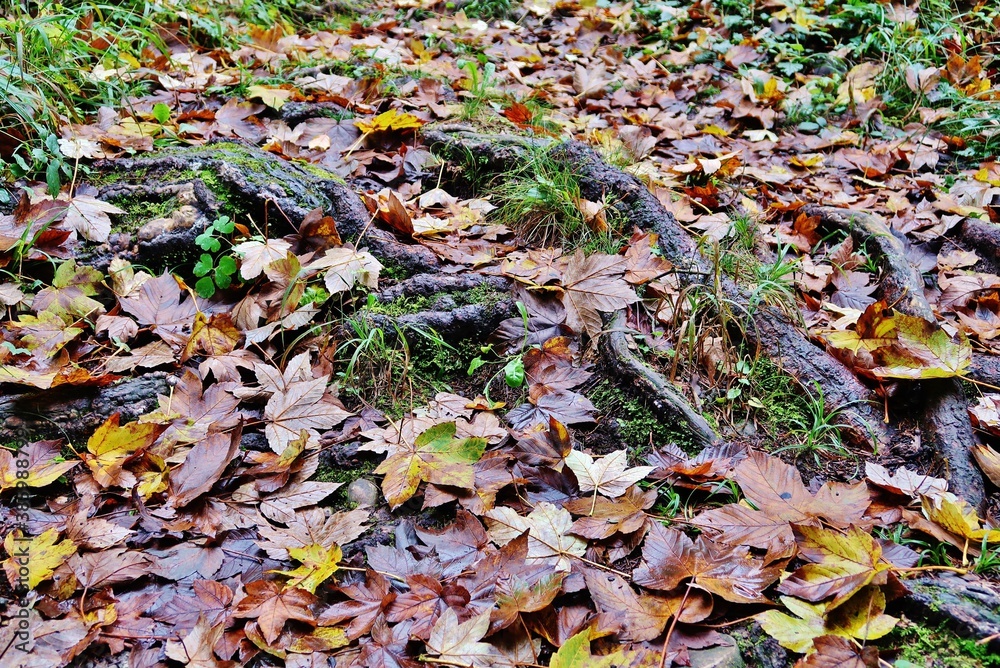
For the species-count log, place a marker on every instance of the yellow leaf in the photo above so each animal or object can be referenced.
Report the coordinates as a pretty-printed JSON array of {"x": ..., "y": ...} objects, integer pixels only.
[
  {"x": 34, "y": 560},
  {"x": 272, "y": 97},
  {"x": 389, "y": 120},
  {"x": 211, "y": 336},
  {"x": 956, "y": 516},
  {"x": 318, "y": 564},
  {"x": 111, "y": 446},
  {"x": 862, "y": 617}
]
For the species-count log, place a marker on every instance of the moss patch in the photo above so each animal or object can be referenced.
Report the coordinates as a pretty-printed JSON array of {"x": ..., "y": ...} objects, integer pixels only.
[
  {"x": 139, "y": 211},
  {"x": 360, "y": 468},
  {"x": 936, "y": 647},
  {"x": 636, "y": 422}
]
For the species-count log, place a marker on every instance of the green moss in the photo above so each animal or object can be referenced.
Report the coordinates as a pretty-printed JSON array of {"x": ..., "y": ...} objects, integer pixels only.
[
  {"x": 636, "y": 421},
  {"x": 139, "y": 211},
  {"x": 402, "y": 306},
  {"x": 338, "y": 500},
  {"x": 937, "y": 647},
  {"x": 394, "y": 272},
  {"x": 319, "y": 172},
  {"x": 482, "y": 294}
]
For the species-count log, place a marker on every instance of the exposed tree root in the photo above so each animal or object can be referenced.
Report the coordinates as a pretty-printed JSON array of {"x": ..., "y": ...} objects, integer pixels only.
[
  {"x": 75, "y": 412},
  {"x": 969, "y": 607},
  {"x": 227, "y": 177},
  {"x": 857, "y": 408},
  {"x": 944, "y": 423},
  {"x": 616, "y": 348},
  {"x": 984, "y": 238}
]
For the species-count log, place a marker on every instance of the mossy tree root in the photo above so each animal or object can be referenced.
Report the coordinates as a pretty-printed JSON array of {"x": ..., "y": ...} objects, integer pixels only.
[
  {"x": 856, "y": 407},
  {"x": 73, "y": 413},
  {"x": 944, "y": 423},
  {"x": 239, "y": 179},
  {"x": 616, "y": 347}
]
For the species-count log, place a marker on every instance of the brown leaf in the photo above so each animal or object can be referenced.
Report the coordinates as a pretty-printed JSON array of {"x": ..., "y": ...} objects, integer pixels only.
[{"x": 272, "y": 606}]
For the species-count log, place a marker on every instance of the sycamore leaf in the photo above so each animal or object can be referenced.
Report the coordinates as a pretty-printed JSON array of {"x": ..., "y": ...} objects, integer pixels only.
[
  {"x": 841, "y": 564},
  {"x": 347, "y": 267},
  {"x": 302, "y": 405},
  {"x": 575, "y": 653},
  {"x": 41, "y": 555},
  {"x": 388, "y": 121},
  {"x": 197, "y": 648},
  {"x": 862, "y": 617},
  {"x": 257, "y": 255},
  {"x": 591, "y": 285},
  {"x": 609, "y": 475},
  {"x": 44, "y": 465},
  {"x": 989, "y": 461},
  {"x": 112, "y": 445},
  {"x": 670, "y": 557},
  {"x": 211, "y": 336},
  {"x": 642, "y": 616},
  {"x": 45, "y": 334},
  {"x": 459, "y": 644},
  {"x": 272, "y": 605},
  {"x": 548, "y": 539},
  {"x": 435, "y": 456},
  {"x": 956, "y": 516},
  {"x": 89, "y": 217},
  {"x": 318, "y": 564},
  {"x": 272, "y": 97},
  {"x": 838, "y": 652},
  {"x": 777, "y": 491}
]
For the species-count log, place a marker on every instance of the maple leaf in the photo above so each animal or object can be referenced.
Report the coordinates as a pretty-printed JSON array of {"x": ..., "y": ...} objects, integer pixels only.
[
  {"x": 202, "y": 467},
  {"x": 388, "y": 121},
  {"x": 842, "y": 563},
  {"x": 862, "y": 617},
  {"x": 41, "y": 555},
  {"x": 94, "y": 570},
  {"x": 43, "y": 465},
  {"x": 988, "y": 460},
  {"x": 604, "y": 518},
  {"x": 435, "y": 456},
  {"x": 302, "y": 405},
  {"x": 275, "y": 98},
  {"x": 313, "y": 526},
  {"x": 158, "y": 304},
  {"x": 112, "y": 445},
  {"x": 956, "y": 516},
  {"x": 211, "y": 600},
  {"x": 905, "y": 481},
  {"x": 367, "y": 602},
  {"x": 642, "y": 265},
  {"x": 670, "y": 557},
  {"x": 609, "y": 475},
  {"x": 776, "y": 490},
  {"x": 211, "y": 336},
  {"x": 575, "y": 653},
  {"x": 591, "y": 285},
  {"x": 70, "y": 294},
  {"x": 318, "y": 564},
  {"x": 548, "y": 526},
  {"x": 546, "y": 447},
  {"x": 197, "y": 648},
  {"x": 90, "y": 217},
  {"x": 839, "y": 652},
  {"x": 259, "y": 254},
  {"x": 520, "y": 593},
  {"x": 459, "y": 644},
  {"x": 642, "y": 616},
  {"x": 45, "y": 334},
  {"x": 347, "y": 267},
  {"x": 272, "y": 605}
]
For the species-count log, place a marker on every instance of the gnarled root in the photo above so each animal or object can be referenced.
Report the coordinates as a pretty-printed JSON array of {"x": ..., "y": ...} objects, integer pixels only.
[
  {"x": 944, "y": 423},
  {"x": 616, "y": 349}
]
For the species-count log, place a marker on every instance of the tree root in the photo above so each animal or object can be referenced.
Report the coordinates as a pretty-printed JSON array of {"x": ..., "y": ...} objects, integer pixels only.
[
  {"x": 74, "y": 412},
  {"x": 855, "y": 406},
  {"x": 616, "y": 349},
  {"x": 234, "y": 178},
  {"x": 944, "y": 422}
]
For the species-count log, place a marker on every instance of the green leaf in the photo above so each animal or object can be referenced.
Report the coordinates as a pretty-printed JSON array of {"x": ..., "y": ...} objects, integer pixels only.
[
  {"x": 475, "y": 364},
  {"x": 205, "y": 287},
  {"x": 224, "y": 225},
  {"x": 513, "y": 372},
  {"x": 223, "y": 281},
  {"x": 207, "y": 241},
  {"x": 161, "y": 113},
  {"x": 52, "y": 178},
  {"x": 203, "y": 265},
  {"x": 227, "y": 266}
]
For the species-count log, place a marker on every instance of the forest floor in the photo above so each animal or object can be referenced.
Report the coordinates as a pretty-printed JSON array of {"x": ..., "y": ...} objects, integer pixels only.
[{"x": 568, "y": 334}]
